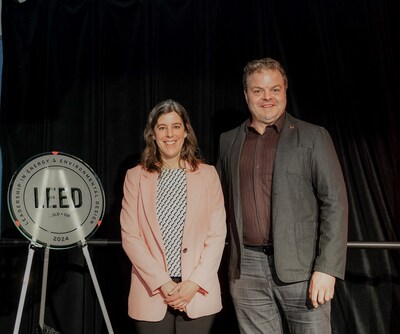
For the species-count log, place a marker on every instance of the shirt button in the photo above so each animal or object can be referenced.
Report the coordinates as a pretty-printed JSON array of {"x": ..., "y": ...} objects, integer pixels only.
[{"x": 184, "y": 250}]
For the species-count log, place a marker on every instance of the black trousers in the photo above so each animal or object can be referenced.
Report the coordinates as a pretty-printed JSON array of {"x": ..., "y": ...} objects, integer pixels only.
[{"x": 176, "y": 322}]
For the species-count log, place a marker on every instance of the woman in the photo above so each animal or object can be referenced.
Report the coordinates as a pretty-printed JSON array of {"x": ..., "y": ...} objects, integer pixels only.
[{"x": 173, "y": 229}]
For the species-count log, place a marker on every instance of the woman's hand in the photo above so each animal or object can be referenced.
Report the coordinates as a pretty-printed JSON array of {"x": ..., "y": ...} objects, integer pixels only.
[
  {"x": 167, "y": 287},
  {"x": 181, "y": 295}
]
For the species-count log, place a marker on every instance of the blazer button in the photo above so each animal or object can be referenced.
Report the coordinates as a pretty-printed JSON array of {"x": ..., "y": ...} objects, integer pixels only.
[{"x": 184, "y": 250}]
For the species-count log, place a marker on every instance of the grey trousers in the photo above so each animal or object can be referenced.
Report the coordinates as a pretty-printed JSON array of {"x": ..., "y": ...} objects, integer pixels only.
[{"x": 263, "y": 304}]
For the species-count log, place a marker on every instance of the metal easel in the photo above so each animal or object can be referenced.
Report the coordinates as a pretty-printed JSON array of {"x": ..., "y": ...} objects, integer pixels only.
[
  {"x": 32, "y": 247},
  {"x": 69, "y": 194}
]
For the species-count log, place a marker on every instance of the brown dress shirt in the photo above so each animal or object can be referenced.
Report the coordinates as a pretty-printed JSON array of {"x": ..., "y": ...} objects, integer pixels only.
[{"x": 256, "y": 168}]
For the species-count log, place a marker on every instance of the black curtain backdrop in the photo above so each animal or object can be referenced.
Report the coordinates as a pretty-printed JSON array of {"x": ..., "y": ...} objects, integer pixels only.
[{"x": 79, "y": 77}]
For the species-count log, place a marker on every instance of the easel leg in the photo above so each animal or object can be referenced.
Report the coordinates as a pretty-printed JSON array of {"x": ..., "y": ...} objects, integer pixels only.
[
  {"x": 97, "y": 287},
  {"x": 44, "y": 287},
  {"x": 24, "y": 288}
]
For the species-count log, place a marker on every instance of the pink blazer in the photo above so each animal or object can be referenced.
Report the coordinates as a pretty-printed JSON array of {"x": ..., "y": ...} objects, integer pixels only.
[{"x": 202, "y": 245}]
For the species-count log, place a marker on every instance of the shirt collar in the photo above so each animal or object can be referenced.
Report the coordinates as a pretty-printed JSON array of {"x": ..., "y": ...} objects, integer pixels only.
[{"x": 278, "y": 125}]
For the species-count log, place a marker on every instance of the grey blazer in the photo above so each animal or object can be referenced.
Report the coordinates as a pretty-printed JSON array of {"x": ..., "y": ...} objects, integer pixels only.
[{"x": 309, "y": 202}]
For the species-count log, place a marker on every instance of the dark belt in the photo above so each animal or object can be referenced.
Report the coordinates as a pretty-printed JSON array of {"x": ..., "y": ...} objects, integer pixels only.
[{"x": 266, "y": 249}]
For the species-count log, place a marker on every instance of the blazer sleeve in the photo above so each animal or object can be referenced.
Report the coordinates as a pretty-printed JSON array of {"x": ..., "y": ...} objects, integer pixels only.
[{"x": 332, "y": 196}]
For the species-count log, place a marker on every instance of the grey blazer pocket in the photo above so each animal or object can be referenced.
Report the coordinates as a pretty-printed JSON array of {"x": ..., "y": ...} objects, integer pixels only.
[{"x": 299, "y": 162}]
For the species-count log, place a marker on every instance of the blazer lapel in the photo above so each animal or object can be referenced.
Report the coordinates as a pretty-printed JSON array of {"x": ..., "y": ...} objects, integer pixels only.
[
  {"x": 193, "y": 187},
  {"x": 148, "y": 189},
  {"x": 237, "y": 145},
  {"x": 288, "y": 138}
]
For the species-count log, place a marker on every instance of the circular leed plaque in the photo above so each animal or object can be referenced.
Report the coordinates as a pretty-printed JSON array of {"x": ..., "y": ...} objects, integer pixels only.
[{"x": 56, "y": 200}]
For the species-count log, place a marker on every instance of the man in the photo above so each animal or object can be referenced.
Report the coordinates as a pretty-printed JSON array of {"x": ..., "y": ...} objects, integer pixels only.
[{"x": 287, "y": 212}]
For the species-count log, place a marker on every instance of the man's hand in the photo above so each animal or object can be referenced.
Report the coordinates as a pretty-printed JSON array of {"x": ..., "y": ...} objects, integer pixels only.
[{"x": 322, "y": 288}]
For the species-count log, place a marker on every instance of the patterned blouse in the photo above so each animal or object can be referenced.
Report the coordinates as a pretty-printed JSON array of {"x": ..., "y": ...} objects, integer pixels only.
[{"x": 171, "y": 213}]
